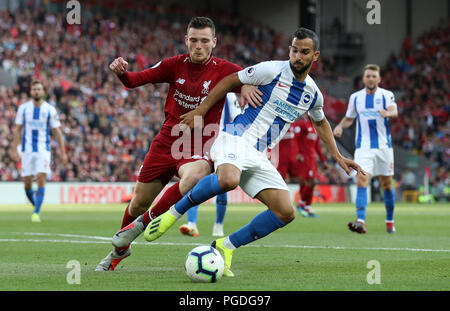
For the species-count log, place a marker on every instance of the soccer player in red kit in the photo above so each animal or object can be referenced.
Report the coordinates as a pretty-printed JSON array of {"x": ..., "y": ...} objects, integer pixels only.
[
  {"x": 190, "y": 76},
  {"x": 308, "y": 145},
  {"x": 287, "y": 163}
]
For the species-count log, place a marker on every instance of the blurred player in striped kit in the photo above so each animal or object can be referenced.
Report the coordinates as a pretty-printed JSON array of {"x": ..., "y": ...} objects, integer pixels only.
[
  {"x": 230, "y": 111},
  {"x": 35, "y": 120},
  {"x": 372, "y": 107}
]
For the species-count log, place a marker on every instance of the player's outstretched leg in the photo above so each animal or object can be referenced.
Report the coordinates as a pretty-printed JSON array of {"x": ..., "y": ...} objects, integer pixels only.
[
  {"x": 205, "y": 189},
  {"x": 359, "y": 225},
  {"x": 129, "y": 233},
  {"x": 221, "y": 208},
  {"x": 279, "y": 214},
  {"x": 191, "y": 227}
]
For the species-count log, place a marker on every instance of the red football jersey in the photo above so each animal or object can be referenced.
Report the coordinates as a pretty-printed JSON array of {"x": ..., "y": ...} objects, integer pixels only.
[
  {"x": 307, "y": 140},
  {"x": 288, "y": 146},
  {"x": 189, "y": 84}
]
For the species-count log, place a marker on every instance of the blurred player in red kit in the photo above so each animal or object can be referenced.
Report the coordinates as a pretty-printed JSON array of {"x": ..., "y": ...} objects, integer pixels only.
[
  {"x": 287, "y": 160},
  {"x": 190, "y": 76},
  {"x": 308, "y": 146}
]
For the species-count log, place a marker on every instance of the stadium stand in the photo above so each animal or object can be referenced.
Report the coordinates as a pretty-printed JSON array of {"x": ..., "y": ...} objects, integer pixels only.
[{"x": 108, "y": 129}]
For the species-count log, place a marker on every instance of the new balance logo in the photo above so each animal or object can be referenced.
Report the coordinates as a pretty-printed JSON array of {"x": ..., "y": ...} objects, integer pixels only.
[{"x": 180, "y": 81}]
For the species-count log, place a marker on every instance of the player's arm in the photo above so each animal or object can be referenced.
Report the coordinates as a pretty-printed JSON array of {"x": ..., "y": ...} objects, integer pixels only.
[
  {"x": 16, "y": 140},
  {"x": 156, "y": 74},
  {"x": 59, "y": 138},
  {"x": 345, "y": 123},
  {"x": 350, "y": 116},
  {"x": 218, "y": 92},
  {"x": 390, "y": 112},
  {"x": 324, "y": 132}
]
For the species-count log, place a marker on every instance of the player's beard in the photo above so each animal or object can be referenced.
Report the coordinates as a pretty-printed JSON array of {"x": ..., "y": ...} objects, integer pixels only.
[
  {"x": 301, "y": 70},
  {"x": 371, "y": 88}
]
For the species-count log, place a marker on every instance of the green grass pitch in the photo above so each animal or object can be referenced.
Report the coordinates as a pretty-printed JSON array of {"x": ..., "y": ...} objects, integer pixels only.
[{"x": 308, "y": 254}]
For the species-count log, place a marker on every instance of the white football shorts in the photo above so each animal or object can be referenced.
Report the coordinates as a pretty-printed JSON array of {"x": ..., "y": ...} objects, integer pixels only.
[
  {"x": 257, "y": 172},
  {"x": 376, "y": 162},
  {"x": 34, "y": 163}
]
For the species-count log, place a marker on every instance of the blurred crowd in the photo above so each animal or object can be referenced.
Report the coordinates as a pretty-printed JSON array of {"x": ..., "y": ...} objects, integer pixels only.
[
  {"x": 421, "y": 72},
  {"x": 108, "y": 129}
]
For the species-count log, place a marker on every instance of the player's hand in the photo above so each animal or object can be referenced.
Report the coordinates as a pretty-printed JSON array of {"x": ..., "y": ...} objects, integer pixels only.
[
  {"x": 348, "y": 164},
  {"x": 337, "y": 132},
  {"x": 383, "y": 113},
  {"x": 325, "y": 166},
  {"x": 192, "y": 119},
  {"x": 251, "y": 95},
  {"x": 119, "y": 66}
]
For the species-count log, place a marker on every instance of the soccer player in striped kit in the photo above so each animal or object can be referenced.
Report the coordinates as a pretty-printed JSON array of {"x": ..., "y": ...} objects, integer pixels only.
[
  {"x": 231, "y": 109},
  {"x": 35, "y": 120},
  {"x": 372, "y": 107},
  {"x": 240, "y": 151}
]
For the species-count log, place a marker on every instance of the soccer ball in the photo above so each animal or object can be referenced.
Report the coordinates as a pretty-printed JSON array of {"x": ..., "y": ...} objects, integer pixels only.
[{"x": 204, "y": 264}]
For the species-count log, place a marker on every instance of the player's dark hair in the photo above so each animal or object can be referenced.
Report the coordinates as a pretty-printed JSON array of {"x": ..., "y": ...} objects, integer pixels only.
[
  {"x": 201, "y": 22},
  {"x": 303, "y": 33}
]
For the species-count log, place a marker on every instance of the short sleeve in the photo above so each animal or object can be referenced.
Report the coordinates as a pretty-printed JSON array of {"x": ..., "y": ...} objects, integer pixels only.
[
  {"x": 19, "y": 115},
  {"x": 54, "y": 119},
  {"x": 351, "y": 108},
  {"x": 390, "y": 99},
  {"x": 259, "y": 74},
  {"x": 316, "y": 112}
]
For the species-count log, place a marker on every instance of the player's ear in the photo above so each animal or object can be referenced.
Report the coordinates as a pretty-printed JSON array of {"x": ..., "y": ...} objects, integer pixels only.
[
  {"x": 214, "y": 42},
  {"x": 316, "y": 55},
  {"x": 186, "y": 40}
]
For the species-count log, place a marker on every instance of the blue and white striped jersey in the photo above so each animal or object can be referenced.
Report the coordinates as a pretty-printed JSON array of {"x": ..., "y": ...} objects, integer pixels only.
[
  {"x": 231, "y": 110},
  {"x": 284, "y": 100},
  {"x": 372, "y": 130},
  {"x": 36, "y": 122}
]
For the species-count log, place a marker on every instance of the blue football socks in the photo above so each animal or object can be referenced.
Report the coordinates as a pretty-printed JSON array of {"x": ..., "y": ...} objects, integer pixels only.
[
  {"x": 192, "y": 214},
  {"x": 221, "y": 207},
  {"x": 30, "y": 195},
  {"x": 260, "y": 226},
  {"x": 389, "y": 202},
  {"x": 38, "y": 199},
  {"x": 208, "y": 187},
  {"x": 361, "y": 203}
]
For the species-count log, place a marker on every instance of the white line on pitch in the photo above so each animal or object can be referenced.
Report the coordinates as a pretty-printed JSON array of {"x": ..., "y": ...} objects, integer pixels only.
[{"x": 105, "y": 240}]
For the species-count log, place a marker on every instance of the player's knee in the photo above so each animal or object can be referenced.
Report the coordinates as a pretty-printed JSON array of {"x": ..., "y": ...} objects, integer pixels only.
[
  {"x": 191, "y": 180},
  {"x": 228, "y": 182},
  {"x": 287, "y": 215},
  {"x": 138, "y": 206},
  {"x": 387, "y": 187},
  {"x": 137, "y": 210}
]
